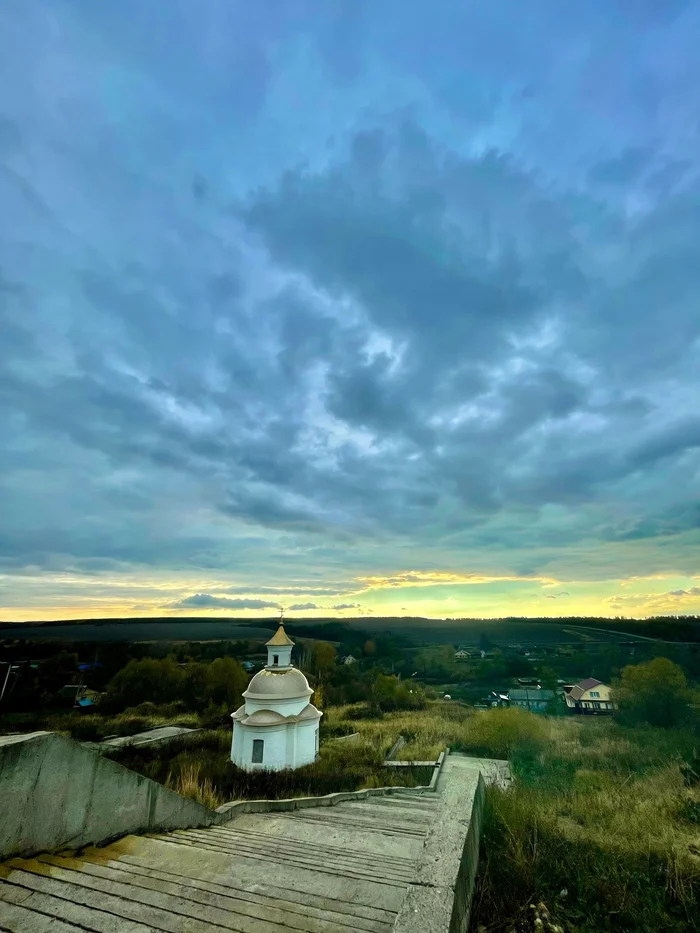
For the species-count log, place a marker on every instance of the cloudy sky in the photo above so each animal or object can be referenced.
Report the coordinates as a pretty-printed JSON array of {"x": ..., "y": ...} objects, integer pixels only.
[{"x": 351, "y": 306}]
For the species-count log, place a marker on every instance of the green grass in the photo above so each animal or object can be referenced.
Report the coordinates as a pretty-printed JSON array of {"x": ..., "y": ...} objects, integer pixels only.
[{"x": 603, "y": 814}]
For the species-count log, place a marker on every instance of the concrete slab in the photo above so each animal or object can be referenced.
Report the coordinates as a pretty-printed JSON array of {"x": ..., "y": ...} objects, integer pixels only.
[
  {"x": 65, "y": 795},
  {"x": 158, "y": 736},
  {"x": 493, "y": 770}
]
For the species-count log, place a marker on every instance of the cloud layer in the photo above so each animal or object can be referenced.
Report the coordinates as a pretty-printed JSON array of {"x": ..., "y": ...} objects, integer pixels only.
[{"x": 292, "y": 305}]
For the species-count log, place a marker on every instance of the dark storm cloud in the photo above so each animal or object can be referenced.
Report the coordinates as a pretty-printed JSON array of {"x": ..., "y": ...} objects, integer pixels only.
[
  {"x": 398, "y": 255},
  {"x": 237, "y": 297}
]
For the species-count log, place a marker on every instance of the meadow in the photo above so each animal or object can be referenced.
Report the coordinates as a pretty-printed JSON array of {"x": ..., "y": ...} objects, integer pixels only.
[{"x": 602, "y": 825}]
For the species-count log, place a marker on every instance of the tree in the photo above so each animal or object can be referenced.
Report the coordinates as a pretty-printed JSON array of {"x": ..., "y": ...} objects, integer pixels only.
[
  {"x": 485, "y": 643},
  {"x": 59, "y": 670},
  {"x": 319, "y": 699},
  {"x": 194, "y": 686},
  {"x": 225, "y": 682},
  {"x": 324, "y": 656},
  {"x": 548, "y": 678},
  {"x": 389, "y": 693},
  {"x": 656, "y": 692},
  {"x": 157, "y": 681}
]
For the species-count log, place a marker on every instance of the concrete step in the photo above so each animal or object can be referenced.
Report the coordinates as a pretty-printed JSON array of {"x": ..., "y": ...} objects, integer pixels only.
[
  {"x": 359, "y": 820},
  {"x": 405, "y": 801},
  {"x": 251, "y": 836},
  {"x": 317, "y": 870},
  {"x": 17, "y": 919},
  {"x": 298, "y": 914},
  {"x": 219, "y": 872},
  {"x": 54, "y": 903},
  {"x": 351, "y": 867}
]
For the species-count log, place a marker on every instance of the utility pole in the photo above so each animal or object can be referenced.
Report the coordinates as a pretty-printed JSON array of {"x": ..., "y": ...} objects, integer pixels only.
[{"x": 7, "y": 677}]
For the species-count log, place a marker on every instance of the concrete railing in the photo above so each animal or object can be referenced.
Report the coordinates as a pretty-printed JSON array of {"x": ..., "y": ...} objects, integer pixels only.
[
  {"x": 410, "y": 764},
  {"x": 56, "y": 794},
  {"x": 439, "y": 900}
]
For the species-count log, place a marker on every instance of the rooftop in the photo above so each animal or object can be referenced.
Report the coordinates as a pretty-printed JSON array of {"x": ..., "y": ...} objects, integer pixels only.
[
  {"x": 280, "y": 684},
  {"x": 280, "y": 639}
]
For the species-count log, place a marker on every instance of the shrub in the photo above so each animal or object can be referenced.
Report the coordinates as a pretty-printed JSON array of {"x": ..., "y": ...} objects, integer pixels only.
[
  {"x": 505, "y": 733},
  {"x": 198, "y": 765},
  {"x": 363, "y": 711},
  {"x": 85, "y": 729}
]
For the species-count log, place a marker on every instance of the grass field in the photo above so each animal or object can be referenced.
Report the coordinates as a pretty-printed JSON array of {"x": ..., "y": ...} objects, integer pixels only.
[
  {"x": 601, "y": 825},
  {"x": 427, "y": 732},
  {"x": 421, "y": 631}
]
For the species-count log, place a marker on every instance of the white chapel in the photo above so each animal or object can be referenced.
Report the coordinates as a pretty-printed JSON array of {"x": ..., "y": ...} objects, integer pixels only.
[{"x": 277, "y": 726}]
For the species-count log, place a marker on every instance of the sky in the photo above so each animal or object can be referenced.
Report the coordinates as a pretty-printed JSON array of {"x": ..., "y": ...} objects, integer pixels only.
[{"x": 355, "y": 307}]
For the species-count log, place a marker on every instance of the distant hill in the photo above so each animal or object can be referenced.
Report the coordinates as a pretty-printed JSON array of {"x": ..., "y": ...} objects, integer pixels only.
[{"x": 526, "y": 631}]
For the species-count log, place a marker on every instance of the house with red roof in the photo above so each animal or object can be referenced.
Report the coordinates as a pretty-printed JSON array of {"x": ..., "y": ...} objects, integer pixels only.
[{"x": 590, "y": 696}]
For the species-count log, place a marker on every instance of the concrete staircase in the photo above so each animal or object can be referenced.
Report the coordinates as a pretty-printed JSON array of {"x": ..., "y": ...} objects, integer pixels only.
[{"x": 341, "y": 868}]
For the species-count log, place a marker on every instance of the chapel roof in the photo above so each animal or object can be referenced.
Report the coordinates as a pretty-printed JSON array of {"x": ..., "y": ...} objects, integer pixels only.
[
  {"x": 270, "y": 717},
  {"x": 280, "y": 639},
  {"x": 278, "y": 684}
]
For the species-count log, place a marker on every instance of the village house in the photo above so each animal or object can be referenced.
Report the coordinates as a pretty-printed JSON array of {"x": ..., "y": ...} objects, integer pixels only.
[
  {"x": 462, "y": 655},
  {"x": 589, "y": 697},
  {"x": 532, "y": 698}
]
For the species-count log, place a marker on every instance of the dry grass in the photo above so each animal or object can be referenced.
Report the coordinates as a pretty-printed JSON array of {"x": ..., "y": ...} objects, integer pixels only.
[
  {"x": 190, "y": 783},
  {"x": 428, "y": 731},
  {"x": 602, "y": 813}
]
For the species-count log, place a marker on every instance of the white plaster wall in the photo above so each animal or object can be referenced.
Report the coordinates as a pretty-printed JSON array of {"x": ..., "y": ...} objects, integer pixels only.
[
  {"x": 237, "y": 743},
  {"x": 274, "y": 750},
  {"x": 284, "y": 656},
  {"x": 290, "y": 745},
  {"x": 306, "y": 743}
]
